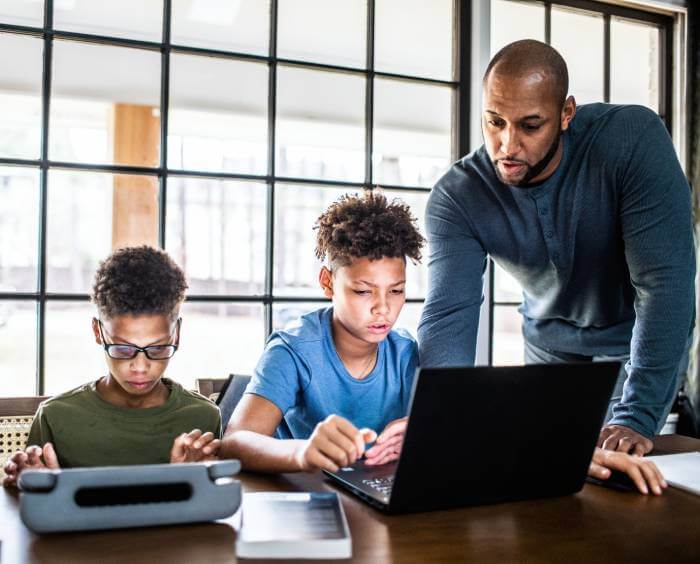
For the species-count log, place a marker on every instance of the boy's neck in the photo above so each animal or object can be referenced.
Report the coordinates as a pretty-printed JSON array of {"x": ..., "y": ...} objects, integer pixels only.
[
  {"x": 357, "y": 356},
  {"x": 111, "y": 392}
]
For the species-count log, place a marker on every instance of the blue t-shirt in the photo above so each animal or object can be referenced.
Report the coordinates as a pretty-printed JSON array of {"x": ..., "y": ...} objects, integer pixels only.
[{"x": 301, "y": 373}]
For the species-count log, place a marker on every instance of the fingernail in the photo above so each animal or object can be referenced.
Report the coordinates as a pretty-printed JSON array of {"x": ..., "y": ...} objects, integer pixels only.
[
  {"x": 197, "y": 445},
  {"x": 664, "y": 483},
  {"x": 645, "y": 490}
]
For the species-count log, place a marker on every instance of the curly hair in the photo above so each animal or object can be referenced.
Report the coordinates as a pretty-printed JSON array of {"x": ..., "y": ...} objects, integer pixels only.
[
  {"x": 138, "y": 280},
  {"x": 367, "y": 226}
]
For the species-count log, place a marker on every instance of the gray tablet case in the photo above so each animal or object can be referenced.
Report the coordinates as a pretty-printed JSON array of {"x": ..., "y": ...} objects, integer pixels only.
[{"x": 116, "y": 497}]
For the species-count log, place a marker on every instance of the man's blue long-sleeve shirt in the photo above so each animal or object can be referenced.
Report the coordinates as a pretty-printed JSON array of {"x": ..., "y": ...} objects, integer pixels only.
[{"x": 603, "y": 250}]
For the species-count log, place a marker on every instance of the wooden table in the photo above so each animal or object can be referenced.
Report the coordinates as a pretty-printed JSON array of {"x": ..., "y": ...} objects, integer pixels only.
[{"x": 595, "y": 525}]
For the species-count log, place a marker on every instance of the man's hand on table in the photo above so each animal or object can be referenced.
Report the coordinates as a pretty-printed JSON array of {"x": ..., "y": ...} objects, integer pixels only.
[
  {"x": 29, "y": 459},
  {"x": 624, "y": 439}
]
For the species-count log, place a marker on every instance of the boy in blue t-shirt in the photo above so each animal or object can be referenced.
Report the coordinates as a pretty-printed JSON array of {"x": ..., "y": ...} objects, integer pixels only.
[{"x": 324, "y": 387}]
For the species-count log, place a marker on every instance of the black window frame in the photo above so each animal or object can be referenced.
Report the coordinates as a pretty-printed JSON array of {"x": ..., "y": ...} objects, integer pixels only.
[{"x": 460, "y": 86}]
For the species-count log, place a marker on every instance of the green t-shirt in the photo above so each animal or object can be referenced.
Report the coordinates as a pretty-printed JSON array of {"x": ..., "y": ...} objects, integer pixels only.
[{"x": 87, "y": 431}]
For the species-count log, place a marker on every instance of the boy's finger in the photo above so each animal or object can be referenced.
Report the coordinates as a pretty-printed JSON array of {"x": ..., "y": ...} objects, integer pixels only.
[
  {"x": 397, "y": 428},
  {"x": 332, "y": 451},
  {"x": 205, "y": 439},
  {"x": 212, "y": 447},
  {"x": 50, "y": 458},
  {"x": 316, "y": 459},
  {"x": 192, "y": 436}
]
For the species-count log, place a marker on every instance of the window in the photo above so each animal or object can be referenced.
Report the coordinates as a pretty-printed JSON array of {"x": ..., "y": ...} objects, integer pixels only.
[
  {"x": 626, "y": 60},
  {"x": 218, "y": 130}
]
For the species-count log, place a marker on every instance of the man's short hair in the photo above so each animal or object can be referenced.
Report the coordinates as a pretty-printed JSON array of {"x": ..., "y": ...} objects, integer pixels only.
[
  {"x": 367, "y": 226},
  {"x": 528, "y": 55},
  {"x": 138, "y": 281}
]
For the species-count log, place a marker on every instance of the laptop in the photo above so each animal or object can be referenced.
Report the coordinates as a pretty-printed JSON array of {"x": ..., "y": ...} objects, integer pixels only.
[{"x": 482, "y": 435}]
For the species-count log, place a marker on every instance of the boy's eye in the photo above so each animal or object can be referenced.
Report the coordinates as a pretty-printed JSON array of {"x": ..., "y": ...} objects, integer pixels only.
[
  {"x": 397, "y": 291},
  {"x": 361, "y": 292}
]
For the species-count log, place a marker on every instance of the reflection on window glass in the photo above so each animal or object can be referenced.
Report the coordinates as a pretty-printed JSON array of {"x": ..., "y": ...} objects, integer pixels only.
[
  {"x": 507, "y": 336},
  {"x": 72, "y": 355},
  {"x": 634, "y": 63},
  {"x": 216, "y": 233},
  {"x": 19, "y": 229},
  {"x": 322, "y": 31},
  {"x": 134, "y": 19},
  {"x": 20, "y": 96},
  {"x": 105, "y": 104},
  {"x": 570, "y": 30},
  {"x": 80, "y": 224},
  {"x": 17, "y": 348},
  {"x": 217, "y": 339},
  {"x": 296, "y": 210},
  {"x": 414, "y": 37},
  {"x": 416, "y": 274},
  {"x": 22, "y": 12},
  {"x": 320, "y": 124},
  {"x": 412, "y": 132},
  {"x": 225, "y": 25},
  {"x": 218, "y": 115},
  {"x": 512, "y": 20},
  {"x": 506, "y": 288}
]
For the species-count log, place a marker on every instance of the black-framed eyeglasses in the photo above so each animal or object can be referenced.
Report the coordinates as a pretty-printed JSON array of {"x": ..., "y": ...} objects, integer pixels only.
[{"x": 119, "y": 351}]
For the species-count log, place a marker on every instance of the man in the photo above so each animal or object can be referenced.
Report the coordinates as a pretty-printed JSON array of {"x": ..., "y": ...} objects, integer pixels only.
[{"x": 590, "y": 211}]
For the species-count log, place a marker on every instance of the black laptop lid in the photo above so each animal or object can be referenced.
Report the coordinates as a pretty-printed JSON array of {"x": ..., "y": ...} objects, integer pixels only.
[{"x": 489, "y": 434}]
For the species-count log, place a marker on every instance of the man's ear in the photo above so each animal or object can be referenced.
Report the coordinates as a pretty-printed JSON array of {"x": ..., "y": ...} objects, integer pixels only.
[
  {"x": 325, "y": 279},
  {"x": 568, "y": 112},
  {"x": 96, "y": 330}
]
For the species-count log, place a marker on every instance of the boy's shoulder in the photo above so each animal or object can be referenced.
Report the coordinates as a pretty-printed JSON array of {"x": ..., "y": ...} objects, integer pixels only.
[
  {"x": 309, "y": 328},
  {"x": 69, "y": 399},
  {"x": 190, "y": 397},
  {"x": 402, "y": 342}
]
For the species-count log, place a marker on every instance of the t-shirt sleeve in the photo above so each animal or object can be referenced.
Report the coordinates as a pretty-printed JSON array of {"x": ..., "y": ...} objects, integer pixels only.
[
  {"x": 277, "y": 376},
  {"x": 40, "y": 432}
]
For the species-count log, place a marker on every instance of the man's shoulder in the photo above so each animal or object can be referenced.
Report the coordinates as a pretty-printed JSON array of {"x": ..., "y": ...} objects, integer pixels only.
[
  {"x": 472, "y": 169},
  {"x": 614, "y": 118}
]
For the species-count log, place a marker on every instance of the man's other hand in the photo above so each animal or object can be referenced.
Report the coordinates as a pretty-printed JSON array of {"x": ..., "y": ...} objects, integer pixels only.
[{"x": 624, "y": 439}]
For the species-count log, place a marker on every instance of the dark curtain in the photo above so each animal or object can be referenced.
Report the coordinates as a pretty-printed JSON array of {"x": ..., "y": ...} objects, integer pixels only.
[{"x": 689, "y": 422}]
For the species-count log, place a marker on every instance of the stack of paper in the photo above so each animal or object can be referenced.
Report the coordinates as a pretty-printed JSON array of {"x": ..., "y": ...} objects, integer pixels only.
[{"x": 680, "y": 470}]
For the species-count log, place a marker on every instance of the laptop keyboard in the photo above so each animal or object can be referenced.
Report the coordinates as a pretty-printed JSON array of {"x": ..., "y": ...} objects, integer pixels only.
[{"x": 382, "y": 485}]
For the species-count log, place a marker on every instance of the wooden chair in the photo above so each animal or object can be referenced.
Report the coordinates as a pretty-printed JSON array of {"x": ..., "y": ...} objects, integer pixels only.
[
  {"x": 225, "y": 392},
  {"x": 211, "y": 387},
  {"x": 16, "y": 416}
]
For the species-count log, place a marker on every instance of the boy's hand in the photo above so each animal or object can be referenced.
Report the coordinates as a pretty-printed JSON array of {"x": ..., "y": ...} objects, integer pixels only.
[
  {"x": 29, "y": 459},
  {"x": 194, "y": 447},
  {"x": 388, "y": 445},
  {"x": 643, "y": 473},
  {"x": 624, "y": 439},
  {"x": 335, "y": 442}
]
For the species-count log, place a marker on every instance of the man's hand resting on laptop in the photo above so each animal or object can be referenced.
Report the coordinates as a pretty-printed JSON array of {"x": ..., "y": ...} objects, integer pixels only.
[
  {"x": 334, "y": 443},
  {"x": 194, "y": 447},
  {"x": 29, "y": 459},
  {"x": 644, "y": 473},
  {"x": 624, "y": 439},
  {"x": 387, "y": 447}
]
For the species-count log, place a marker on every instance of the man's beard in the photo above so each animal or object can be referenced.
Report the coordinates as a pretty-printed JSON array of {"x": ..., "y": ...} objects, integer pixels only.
[{"x": 532, "y": 170}]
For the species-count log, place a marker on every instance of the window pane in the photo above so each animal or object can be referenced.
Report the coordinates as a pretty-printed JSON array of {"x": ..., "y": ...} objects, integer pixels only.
[
  {"x": 409, "y": 318},
  {"x": 105, "y": 104},
  {"x": 17, "y": 348},
  {"x": 19, "y": 229},
  {"x": 80, "y": 224},
  {"x": 414, "y": 37},
  {"x": 22, "y": 12},
  {"x": 72, "y": 356},
  {"x": 570, "y": 30},
  {"x": 216, "y": 233},
  {"x": 323, "y": 32},
  {"x": 285, "y": 314},
  {"x": 226, "y": 25},
  {"x": 134, "y": 19},
  {"x": 218, "y": 115},
  {"x": 512, "y": 20},
  {"x": 506, "y": 288},
  {"x": 634, "y": 63},
  {"x": 507, "y": 336},
  {"x": 216, "y": 340},
  {"x": 296, "y": 210},
  {"x": 416, "y": 274},
  {"x": 320, "y": 124},
  {"x": 20, "y": 96},
  {"x": 412, "y": 132}
]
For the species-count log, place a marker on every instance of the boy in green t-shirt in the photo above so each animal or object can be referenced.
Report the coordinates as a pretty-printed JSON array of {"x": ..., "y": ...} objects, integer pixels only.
[{"x": 133, "y": 415}]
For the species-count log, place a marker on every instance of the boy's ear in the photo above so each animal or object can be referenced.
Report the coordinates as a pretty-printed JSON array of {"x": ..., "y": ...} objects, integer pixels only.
[
  {"x": 96, "y": 330},
  {"x": 325, "y": 279}
]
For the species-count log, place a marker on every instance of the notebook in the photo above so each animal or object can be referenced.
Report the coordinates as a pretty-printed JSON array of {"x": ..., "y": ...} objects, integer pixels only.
[
  {"x": 680, "y": 470},
  {"x": 293, "y": 525}
]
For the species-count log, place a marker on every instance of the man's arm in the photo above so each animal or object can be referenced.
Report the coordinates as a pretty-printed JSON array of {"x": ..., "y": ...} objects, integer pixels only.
[
  {"x": 657, "y": 231},
  {"x": 448, "y": 326}
]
